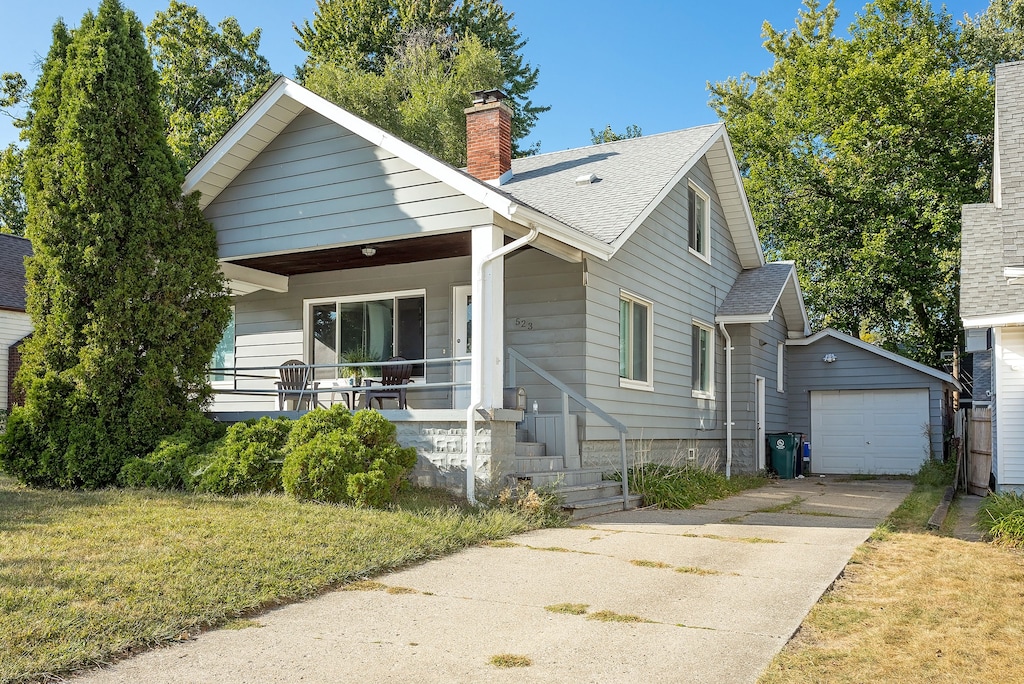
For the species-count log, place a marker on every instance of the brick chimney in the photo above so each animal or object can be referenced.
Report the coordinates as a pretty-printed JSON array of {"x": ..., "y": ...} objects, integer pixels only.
[{"x": 489, "y": 137}]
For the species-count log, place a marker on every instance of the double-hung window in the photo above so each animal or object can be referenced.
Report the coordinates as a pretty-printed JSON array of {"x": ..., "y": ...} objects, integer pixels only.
[
  {"x": 635, "y": 341},
  {"x": 699, "y": 220},
  {"x": 703, "y": 350},
  {"x": 376, "y": 327}
]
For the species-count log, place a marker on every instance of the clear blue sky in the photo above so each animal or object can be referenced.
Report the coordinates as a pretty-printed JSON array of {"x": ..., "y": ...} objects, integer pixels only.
[{"x": 601, "y": 61}]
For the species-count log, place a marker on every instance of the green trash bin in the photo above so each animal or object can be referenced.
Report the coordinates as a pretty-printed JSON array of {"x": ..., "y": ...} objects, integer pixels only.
[{"x": 783, "y": 447}]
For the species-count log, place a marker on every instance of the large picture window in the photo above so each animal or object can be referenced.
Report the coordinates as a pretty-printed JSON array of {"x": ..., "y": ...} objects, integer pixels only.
[
  {"x": 635, "y": 325},
  {"x": 703, "y": 350},
  {"x": 374, "y": 327}
]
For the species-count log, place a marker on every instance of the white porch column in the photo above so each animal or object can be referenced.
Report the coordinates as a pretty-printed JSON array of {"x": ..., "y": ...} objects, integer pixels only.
[{"x": 488, "y": 318}]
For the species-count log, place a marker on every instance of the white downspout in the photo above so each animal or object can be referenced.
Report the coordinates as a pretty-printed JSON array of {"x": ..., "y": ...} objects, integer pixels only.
[
  {"x": 728, "y": 401},
  {"x": 474, "y": 407}
]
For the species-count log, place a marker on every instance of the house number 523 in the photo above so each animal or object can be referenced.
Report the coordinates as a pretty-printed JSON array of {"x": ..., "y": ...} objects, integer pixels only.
[{"x": 524, "y": 324}]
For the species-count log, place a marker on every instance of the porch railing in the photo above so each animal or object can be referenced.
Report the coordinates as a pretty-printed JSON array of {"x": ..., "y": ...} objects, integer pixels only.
[
  {"x": 515, "y": 358},
  {"x": 272, "y": 374}
]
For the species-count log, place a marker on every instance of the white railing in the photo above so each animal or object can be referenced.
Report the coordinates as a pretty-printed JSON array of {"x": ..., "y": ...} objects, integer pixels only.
[{"x": 569, "y": 419}]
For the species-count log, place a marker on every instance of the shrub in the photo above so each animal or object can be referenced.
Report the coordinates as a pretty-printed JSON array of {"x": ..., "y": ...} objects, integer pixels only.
[
  {"x": 934, "y": 473},
  {"x": 1002, "y": 518},
  {"x": 335, "y": 457},
  {"x": 166, "y": 467},
  {"x": 247, "y": 460}
]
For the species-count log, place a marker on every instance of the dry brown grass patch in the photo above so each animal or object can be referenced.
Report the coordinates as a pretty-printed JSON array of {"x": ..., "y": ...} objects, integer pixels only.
[
  {"x": 568, "y": 608},
  {"x": 612, "y": 616},
  {"x": 914, "y": 608},
  {"x": 510, "y": 660},
  {"x": 650, "y": 564},
  {"x": 692, "y": 570}
]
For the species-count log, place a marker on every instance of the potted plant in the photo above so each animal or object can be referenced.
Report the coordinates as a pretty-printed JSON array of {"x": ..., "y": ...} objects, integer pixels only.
[{"x": 356, "y": 373}]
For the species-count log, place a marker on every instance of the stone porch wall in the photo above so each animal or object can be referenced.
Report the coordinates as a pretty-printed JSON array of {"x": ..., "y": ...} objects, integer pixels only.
[
  {"x": 441, "y": 448},
  {"x": 709, "y": 453}
]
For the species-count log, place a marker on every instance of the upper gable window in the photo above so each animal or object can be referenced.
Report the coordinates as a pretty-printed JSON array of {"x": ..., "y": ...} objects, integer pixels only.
[{"x": 699, "y": 220}]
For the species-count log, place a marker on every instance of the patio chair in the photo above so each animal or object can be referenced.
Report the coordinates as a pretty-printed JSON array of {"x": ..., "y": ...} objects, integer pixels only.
[
  {"x": 295, "y": 384},
  {"x": 394, "y": 377}
]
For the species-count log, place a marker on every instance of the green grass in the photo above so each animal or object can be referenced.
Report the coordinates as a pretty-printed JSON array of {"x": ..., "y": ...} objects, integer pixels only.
[
  {"x": 568, "y": 608},
  {"x": 1002, "y": 518},
  {"x": 912, "y": 515},
  {"x": 510, "y": 660},
  {"x": 611, "y": 616},
  {"x": 685, "y": 486},
  {"x": 86, "y": 576}
]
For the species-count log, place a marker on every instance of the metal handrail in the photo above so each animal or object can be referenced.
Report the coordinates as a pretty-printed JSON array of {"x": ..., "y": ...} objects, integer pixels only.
[{"x": 567, "y": 393}]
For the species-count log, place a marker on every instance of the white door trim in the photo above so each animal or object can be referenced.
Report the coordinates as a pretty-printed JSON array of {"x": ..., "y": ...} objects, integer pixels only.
[
  {"x": 461, "y": 370},
  {"x": 759, "y": 412}
]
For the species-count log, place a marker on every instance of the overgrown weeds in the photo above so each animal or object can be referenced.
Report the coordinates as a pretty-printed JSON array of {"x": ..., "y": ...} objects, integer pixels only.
[
  {"x": 1002, "y": 518},
  {"x": 912, "y": 514},
  {"x": 684, "y": 482}
]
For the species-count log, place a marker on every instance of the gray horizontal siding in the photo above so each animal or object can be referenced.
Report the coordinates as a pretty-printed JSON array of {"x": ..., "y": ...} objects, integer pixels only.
[
  {"x": 317, "y": 184},
  {"x": 656, "y": 264},
  {"x": 750, "y": 359},
  {"x": 855, "y": 369}
]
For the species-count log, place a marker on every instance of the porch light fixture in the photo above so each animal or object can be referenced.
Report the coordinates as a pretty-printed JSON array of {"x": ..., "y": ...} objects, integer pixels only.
[
  {"x": 830, "y": 358},
  {"x": 368, "y": 251}
]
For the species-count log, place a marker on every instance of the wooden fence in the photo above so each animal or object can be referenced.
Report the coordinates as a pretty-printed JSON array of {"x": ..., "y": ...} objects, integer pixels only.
[{"x": 979, "y": 450}]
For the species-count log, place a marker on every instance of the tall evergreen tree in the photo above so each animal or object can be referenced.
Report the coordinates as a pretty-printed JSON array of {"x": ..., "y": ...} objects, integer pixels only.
[{"x": 124, "y": 288}]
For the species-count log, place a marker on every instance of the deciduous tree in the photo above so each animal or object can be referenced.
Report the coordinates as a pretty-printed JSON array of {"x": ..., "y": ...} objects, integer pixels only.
[
  {"x": 208, "y": 76},
  {"x": 857, "y": 155},
  {"x": 366, "y": 36},
  {"x": 608, "y": 135},
  {"x": 124, "y": 289}
]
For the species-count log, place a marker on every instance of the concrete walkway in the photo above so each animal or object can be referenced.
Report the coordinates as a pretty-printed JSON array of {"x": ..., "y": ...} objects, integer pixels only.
[
  {"x": 967, "y": 517},
  {"x": 722, "y": 588}
]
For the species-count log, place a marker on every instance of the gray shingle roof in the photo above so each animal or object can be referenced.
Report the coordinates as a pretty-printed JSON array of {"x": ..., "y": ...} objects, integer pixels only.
[
  {"x": 630, "y": 174},
  {"x": 756, "y": 290},
  {"x": 13, "y": 250}
]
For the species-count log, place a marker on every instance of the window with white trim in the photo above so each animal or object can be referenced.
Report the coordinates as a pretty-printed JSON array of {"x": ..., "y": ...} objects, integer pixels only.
[
  {"x": 699, "y": 221},
  {"x": 375, "y": 327},
  {"x": 636, "y": 322},
  {"x": 703, "y": 360},
  {"x": 224, "y": 356},
  {"x": 781, "y": 371}
]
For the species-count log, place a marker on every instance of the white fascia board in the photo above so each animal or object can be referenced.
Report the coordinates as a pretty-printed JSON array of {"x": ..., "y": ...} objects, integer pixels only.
[
  {"x": 994, "y": 321},
  {"x": 799, "y": 297},
  {"x": 482, "y": 192},
  {"x": 867, "y": 346},
  {"x": 738, "y": 180},
  {"x": 234, "y": 134},
  {"x": 744, "y": 318},
  {"x": 663, "y": 193},
  {"x": 555, "y": 229},
  {"x": 253, "y": 279}
]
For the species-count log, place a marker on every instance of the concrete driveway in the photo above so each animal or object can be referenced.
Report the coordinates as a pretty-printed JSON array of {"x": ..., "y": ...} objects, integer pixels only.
[{"x": 721, "y": 589}]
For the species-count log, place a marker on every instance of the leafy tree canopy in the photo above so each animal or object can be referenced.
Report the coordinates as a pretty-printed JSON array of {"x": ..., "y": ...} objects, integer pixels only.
[
  {"x": 420, "y": 94},
  {"x": 857, "y": 154},
  {"x": 368, "y": 36},
  {"x": 208, "y": 76},
  {"x": 12, "y": 200},
  {"x": 996, "y": 35},
  {"x": 608, "y": 135},
  {"x": 124, "y": 288}
]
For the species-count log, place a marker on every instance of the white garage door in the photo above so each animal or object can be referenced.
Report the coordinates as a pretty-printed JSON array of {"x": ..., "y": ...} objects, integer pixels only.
[{"x": 869, "y": 431}]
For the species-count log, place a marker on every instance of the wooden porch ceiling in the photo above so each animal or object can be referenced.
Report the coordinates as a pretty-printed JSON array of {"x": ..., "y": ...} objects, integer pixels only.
[{"x": 343, "y": 258}]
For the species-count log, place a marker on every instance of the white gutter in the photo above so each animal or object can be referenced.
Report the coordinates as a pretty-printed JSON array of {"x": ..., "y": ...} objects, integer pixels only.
[
  {"x": 474, "y": 407},
  {"x": 728, "y": 401}
]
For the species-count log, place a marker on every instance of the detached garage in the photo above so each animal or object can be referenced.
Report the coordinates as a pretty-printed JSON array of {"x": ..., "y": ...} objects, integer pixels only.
[{"x": 866, "y": 410}]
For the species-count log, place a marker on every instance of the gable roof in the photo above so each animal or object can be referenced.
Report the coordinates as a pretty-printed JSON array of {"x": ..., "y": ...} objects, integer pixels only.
[
  {"x": 758, "y": 292},
  {"x": 13, "y": 250},
  {"x": 635, "y": 175},
  {"x": 884, "y": 353}
]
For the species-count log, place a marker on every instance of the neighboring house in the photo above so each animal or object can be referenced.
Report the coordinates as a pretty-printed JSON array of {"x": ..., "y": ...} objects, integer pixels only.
[
  {"x": 622, "y": 285},
  {"x": 14, "y": 322},
  {"x": 992, "y": 285}
]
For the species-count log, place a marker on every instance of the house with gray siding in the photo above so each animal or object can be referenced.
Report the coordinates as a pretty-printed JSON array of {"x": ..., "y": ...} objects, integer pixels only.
[
  {"x": 992, "y": 285},
  {"x": 621, "y": 286},
  {"x": 15, "y": 323}
]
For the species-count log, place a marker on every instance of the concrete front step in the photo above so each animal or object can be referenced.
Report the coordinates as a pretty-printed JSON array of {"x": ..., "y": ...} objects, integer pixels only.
[
  {"x": 541, "y": 464},
  {"x": 561, "y": 478},
  {"x": 592, "y": 507},
  {"x": 600, "y": 490},
  {"x": 531, "y": 449}
]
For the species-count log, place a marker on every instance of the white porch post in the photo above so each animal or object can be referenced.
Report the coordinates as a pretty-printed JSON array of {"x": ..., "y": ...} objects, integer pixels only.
[{"x": 488, "y": 319}]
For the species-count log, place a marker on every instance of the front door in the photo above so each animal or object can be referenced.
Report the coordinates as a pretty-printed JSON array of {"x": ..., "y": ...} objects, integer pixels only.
[
  {"x": 760, "y": 435},
  {"x": 462, "y": 343}
]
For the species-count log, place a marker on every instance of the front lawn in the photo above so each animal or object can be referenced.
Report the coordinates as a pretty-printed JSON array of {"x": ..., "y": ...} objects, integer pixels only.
[{"x": 88, "y": 576}]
